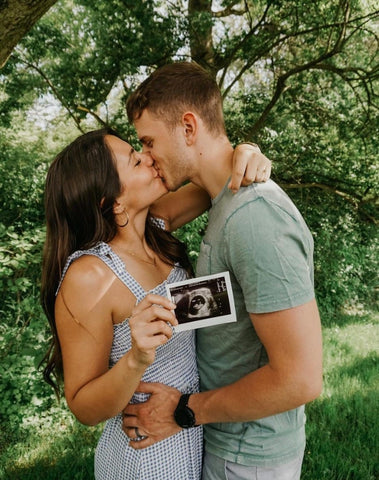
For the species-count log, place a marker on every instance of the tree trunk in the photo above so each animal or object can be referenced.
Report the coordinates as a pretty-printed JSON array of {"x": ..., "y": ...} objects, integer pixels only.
[
  {"x": 16, "y": 18},
  {"x": 200, "y": 15}
]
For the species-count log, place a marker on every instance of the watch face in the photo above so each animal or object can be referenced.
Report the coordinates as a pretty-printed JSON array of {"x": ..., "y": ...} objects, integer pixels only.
[{"x": 184, "y": 417}]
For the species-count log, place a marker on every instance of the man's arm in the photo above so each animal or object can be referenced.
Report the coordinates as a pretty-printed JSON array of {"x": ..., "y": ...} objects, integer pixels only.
[{"x": 293, "y": 376}]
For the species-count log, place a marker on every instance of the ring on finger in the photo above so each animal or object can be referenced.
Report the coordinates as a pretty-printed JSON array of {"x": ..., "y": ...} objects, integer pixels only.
[{"x": 138, "y": 436}]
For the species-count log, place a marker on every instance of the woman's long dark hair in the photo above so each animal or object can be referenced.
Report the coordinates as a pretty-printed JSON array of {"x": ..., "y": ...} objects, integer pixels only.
[{"x": 81, "y": 187}]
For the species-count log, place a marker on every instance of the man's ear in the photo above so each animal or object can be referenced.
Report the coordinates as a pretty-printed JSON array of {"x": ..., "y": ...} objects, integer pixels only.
[{"x": 190, "y": 126}]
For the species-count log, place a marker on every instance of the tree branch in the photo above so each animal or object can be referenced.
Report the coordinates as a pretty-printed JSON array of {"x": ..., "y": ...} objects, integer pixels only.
[
  {"x": 53, "y": 89},
  {"x": 229, "y": 10},
  {"x": 231, "y": 55},
  {"x": 201, "y": 42},
  {"x": 284, "y": 37},
  {"x": 279, "y": 89},
  {"x": 281, "y": 82},
  {"x": 94, "y": 115},
  {"x": 356, "y": 201},
  {"x": 364, "y": 77}
]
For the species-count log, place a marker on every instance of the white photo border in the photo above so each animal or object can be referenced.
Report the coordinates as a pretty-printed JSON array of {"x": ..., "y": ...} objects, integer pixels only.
[{"x": 190, "y": 284}]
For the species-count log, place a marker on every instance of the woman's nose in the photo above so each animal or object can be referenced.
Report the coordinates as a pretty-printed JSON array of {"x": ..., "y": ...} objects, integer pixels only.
[{"x": 148, "y": 160}]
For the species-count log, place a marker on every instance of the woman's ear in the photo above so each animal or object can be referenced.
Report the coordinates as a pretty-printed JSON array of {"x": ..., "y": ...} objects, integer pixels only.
[
  {"x": 189, "y": 123},
  {"x": 118, "y": 208}
]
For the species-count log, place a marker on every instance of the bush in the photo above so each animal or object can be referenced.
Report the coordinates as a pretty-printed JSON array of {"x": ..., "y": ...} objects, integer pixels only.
[
  {"x": 23, "y": 392},
  {"x": 20, "y": 270},
  {"x": 23, "y": 327},
  {"x": 345, "y": 254},
  {"x": 191, "y": 234},
  {"x": 21, "y": 188}
]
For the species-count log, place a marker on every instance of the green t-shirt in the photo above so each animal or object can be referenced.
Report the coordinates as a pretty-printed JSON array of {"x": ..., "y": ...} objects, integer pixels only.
[{"x": 260, "y": 237}]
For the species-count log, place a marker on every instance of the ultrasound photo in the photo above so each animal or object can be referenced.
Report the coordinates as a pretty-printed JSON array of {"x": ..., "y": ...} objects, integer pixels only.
[{"x": 202, "y": 302}]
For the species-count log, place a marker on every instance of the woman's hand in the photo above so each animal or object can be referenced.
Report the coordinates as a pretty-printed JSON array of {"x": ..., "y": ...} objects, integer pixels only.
[
  {"x": 151, "y": 325},
  {"x": 249, "y": 165}
]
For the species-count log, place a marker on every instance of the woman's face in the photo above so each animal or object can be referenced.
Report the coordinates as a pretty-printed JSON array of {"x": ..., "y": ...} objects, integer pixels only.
[{"x": 141, "y": 183}]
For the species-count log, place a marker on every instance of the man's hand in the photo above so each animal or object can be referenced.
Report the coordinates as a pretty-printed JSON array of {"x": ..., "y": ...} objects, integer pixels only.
[
  {"x": 154, "y": 419},
  {"x": 249, "y": 165}
]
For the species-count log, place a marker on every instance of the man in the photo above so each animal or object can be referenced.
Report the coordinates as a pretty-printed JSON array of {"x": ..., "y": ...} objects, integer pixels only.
[{"x": 256, "y": 374}]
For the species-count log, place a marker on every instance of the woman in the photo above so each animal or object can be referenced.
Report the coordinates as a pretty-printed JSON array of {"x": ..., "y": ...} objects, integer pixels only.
[{"x": 106, "y": 263}]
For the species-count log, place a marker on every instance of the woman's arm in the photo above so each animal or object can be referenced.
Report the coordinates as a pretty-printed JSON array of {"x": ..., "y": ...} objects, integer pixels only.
[
  {"x": 85, "y": 311},
  {"x": 188, "y": 202},
  {"x": 180, "y": 207}
]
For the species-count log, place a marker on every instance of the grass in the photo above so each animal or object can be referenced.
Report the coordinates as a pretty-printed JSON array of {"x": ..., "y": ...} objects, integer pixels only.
[
  {"x": 342, "y": 425},
  {"x": 63, "y": 451}
]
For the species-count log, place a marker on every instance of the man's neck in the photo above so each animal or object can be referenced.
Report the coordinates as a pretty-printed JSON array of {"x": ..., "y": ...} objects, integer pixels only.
[{"x": 214, "y": 165}]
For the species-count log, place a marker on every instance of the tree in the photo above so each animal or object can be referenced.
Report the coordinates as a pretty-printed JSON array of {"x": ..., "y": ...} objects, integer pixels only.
[
  {"x": 17, "y": 18},
  {"x": 297, "y": 77},
  {"x": 270, "y": 52}
]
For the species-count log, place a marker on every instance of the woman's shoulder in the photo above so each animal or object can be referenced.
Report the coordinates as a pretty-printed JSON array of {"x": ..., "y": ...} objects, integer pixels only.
[
  {"x": 85, "y": 283},
  {"x": 87, "y": 269}
]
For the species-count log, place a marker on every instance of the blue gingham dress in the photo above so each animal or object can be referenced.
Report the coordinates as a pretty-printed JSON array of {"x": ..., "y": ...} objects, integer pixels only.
[{"x": 178, "y": 457}]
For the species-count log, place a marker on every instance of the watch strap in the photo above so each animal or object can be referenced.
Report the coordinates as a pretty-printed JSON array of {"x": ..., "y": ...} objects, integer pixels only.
[
  {"x": 183, "y": 401},
  {"x": 184, "y": 415}
]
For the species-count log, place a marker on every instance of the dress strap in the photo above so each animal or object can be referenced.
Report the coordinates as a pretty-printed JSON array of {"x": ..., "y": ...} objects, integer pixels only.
[{"x": 103, "y": 251}]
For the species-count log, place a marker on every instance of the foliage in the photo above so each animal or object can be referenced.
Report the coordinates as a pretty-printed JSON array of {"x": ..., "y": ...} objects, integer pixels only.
[
  {"x": 81, "y": 50},
  {"x": 21, "y": 180},
  {"x": 297, "y": 77},
  {"x": 23, "y": 333},
  {"x": 22, "y": 329},
  {"x": 20, "y": 256},
  {"x": 345, "y": 258},
  {"x": 191, "y": 234},
  {"x": 325, "y": 158},
  {"x": 341, "y": 425}
]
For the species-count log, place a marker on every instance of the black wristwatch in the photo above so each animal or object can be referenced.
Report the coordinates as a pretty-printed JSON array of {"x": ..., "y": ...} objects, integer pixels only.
[{"x": 184, "y": 415}]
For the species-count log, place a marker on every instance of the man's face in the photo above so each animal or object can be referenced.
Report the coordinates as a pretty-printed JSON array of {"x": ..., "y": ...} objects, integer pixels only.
[{"x": 167, "y": 148}]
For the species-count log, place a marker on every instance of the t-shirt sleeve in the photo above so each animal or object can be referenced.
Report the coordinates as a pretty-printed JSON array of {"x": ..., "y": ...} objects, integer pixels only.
[{"x": 270, "y": 252}]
